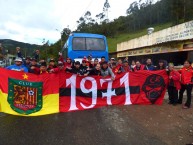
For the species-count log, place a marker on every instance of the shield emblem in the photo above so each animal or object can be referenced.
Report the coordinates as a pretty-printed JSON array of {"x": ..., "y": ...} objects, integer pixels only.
[{"x": 25, "y": 97}]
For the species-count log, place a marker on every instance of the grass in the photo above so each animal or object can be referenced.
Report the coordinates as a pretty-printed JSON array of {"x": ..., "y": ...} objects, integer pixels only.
[{"x": 112, "y": 42}]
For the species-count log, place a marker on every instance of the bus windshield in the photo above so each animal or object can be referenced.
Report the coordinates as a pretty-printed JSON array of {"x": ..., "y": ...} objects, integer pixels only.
[{"x": 83, "y": 43}]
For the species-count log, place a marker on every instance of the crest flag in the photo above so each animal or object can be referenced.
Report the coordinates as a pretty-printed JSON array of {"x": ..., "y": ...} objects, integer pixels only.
[{"x": 28, "y": 94}]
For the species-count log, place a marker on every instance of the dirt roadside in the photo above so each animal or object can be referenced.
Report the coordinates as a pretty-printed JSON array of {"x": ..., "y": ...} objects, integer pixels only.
[{"x": 171, "y": 124}]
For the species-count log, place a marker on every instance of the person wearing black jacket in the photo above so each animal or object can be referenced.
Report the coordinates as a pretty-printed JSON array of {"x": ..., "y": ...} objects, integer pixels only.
[
  {"x": 84, "y": 68},
  {"x": 161, "y": 65},
  {"x": 96, "y": 71},
  {"x": 76, "y": 69}
]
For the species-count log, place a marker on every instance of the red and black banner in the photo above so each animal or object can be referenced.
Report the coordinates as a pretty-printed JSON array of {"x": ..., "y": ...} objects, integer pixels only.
[{"x": 80, "y": 93}]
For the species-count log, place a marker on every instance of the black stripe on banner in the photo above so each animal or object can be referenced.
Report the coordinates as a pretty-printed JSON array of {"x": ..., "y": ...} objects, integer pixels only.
[{"x": 66, "y": 92}]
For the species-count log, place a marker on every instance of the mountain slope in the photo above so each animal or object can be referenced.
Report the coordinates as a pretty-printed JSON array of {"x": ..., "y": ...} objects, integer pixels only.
[{"x": 10, "y": 45}]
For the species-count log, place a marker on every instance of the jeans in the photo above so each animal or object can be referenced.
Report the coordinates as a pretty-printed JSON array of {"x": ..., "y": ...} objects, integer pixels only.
[
  {"x": 188, "y": 89},
  {"x": 173, "y": 94}
]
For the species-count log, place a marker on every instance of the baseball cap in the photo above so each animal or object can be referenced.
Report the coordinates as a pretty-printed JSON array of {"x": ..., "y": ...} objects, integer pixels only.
[
  {"x": 52, "y": 60},
  {"x": 18, "y": 59}
]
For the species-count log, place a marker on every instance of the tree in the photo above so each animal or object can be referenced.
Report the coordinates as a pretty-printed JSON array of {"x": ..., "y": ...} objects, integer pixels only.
[
  {"x": 106, "y": 10},
  {"x": 103, "y": 16},
  {"x": 140, "y": 14}
]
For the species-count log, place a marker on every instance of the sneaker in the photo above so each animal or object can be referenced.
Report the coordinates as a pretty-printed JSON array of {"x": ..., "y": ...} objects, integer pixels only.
[
  {"x": 185, "y": 107},
  {"x": 179, "y": 102}
]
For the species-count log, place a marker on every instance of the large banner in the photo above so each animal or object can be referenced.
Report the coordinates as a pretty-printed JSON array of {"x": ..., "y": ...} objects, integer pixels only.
[
  {"x": 31, "y": 95},
  {"x": 143, "y": 87}
]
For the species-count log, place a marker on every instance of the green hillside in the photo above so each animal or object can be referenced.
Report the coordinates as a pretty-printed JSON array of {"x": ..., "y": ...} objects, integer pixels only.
[
  {"x": 112, "y": 42},
  {"x": 11, "y": 45}
]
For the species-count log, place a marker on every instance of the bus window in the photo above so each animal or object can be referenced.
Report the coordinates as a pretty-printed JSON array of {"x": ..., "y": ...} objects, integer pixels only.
[
  {"x": 95, "y": 44},
  {"x": 78, "y": 43},
  {"x": 88, "y": 44}
]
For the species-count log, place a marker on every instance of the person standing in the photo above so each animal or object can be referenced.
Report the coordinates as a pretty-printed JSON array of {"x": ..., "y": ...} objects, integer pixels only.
[
  {"x": 161, "y": 65},
  {"x": 106, "y": 70},
  {"x": 149, "y": 65},
  {"x": 84, "y": 68},
  {"x": 18, "y": 66},
  {"x": 112, "y": 60},
  {"x": 96, "y": 71},
  {"x": 120, "y": 62},
  {"x": 51, "y": 64},
  {"x": 60, "y": 68},
  {"x": 102, "y": 59},
  {"x": 174, "y": 85},
  {"x": 43, "y": 68},
  {"x": 27, "y": 62},
  {"x": 126, "y": 67},
  {"x": 89, "y": 62},
  {"x": 133, "y": 65},
  {"x": 138, "y": 66},
  {"x": 76, "y": 69},
  {"x": 33, "y": 66},
  {"x": 186, "y": 83},
  {"x": 68, "y": 63},
  {"x": 96, "y": 61},
  {"x": 116, "y": 68},
  {"x": 36, "y": 54},
  {"x": 19, "y": 54}
]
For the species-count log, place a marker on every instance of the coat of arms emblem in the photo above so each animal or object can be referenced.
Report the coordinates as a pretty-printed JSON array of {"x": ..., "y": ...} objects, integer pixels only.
[{"x": 25, "y": 97}]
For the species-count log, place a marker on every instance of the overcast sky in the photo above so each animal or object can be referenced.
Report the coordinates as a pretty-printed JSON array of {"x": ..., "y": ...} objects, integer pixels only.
[{"x": 32, "y": 20}]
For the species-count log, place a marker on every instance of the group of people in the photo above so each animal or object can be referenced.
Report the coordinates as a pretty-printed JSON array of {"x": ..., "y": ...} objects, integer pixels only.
[{"x": 179, "y": 80}]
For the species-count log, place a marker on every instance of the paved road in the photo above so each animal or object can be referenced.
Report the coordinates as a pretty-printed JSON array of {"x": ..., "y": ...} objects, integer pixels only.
[{"x": 104, "y": 126}]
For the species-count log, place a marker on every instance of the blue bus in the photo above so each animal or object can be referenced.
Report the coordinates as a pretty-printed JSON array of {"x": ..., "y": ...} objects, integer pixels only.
[{"x": 80, "y": 45}]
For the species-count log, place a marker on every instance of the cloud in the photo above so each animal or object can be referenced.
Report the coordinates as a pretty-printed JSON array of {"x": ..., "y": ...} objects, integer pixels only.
[{"x": 31, "y": 21}]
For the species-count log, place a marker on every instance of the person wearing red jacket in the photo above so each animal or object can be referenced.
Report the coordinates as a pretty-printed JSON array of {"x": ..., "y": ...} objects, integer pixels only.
[
  {"x": 186, "y": 83},
  {"x": 60, "y": 58},
  {"x": 120, "y": 62},
  {"x": 42, "y": 69},
  {"x": 68, "y": 63},
  {"x": 51, "y": 64},
  {"x": 116, "y": 68},
  {"x": 138, "y": 66},
  {"x": 60, "y": 68},
  {"x": 174, "y": 85},
  {"x": 89, "y": 62},
  {"x": 126, "y": 67}
]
